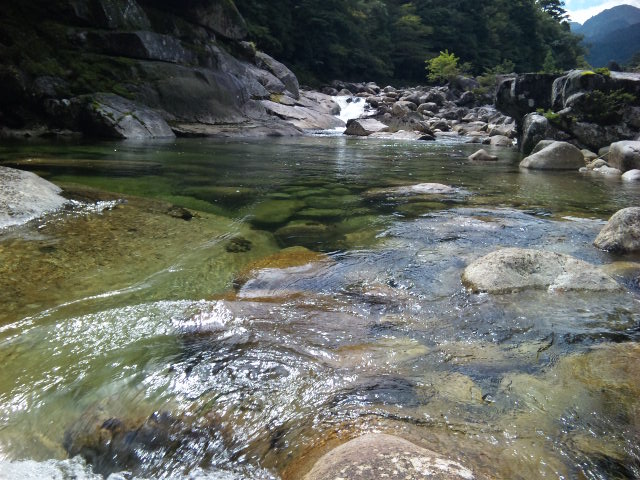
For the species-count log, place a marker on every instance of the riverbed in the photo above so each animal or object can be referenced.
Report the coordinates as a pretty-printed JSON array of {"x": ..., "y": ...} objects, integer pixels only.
[{"x": 233, "y": 309}]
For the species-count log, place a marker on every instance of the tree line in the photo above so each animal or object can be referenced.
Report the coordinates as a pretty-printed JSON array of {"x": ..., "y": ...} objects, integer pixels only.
[{"x": 387, "y": 40}]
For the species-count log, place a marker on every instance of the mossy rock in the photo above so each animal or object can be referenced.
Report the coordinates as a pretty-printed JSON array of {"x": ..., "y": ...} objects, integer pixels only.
[
  {"x": 321, "y": 213},
  {"x": 331, "y": 202},
  {"x": 222, "y": 194},
  {"x": 286, "y": 258},
  {"x": 415, "y": 209},
  {"x": 275, "y": 212},
  {"x": 304, "y": 232}
]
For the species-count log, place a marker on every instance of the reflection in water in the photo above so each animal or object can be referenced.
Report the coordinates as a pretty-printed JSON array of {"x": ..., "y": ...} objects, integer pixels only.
[{"x": 147, "y": 342}]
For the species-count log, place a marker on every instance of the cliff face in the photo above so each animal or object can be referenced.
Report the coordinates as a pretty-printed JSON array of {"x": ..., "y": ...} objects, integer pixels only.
[{"x": 136, "y": 68}]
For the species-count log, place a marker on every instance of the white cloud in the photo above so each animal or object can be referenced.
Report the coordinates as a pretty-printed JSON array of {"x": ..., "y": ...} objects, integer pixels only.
[{"x": 584, "y": 14}]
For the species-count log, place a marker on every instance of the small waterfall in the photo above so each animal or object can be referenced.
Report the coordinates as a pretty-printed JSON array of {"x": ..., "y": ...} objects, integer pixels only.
[{"x": 350, "y": 107}]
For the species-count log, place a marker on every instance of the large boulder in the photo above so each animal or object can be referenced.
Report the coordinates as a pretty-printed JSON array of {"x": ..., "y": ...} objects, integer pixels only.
[
  {"x": 364, "y": 127},
  {"x": 219, "y": 16},
  {"x": 517, "y": 96},
  {"x": 303, "y": 117},
  {"x": 622, "y": 232},
  {"x": 111, "y": 116},
  {"x": 573, "y": 83},
  {"x": 557, "y": 156},
  {"x": 482, "y": 156},
  {"x": 280, "y": 71},
  {"x": 515, "y": 269},
  {"x": 25, "y": 196},
  {"x": 534, "y": 129},
  {"x": 376, "y": 456},
  {"x": 625, "y": 155}
]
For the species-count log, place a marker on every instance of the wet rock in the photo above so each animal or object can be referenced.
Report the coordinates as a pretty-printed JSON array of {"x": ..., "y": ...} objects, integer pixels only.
[
  {"x": 534, "y": 130},
  {"x": 275, "y": 212},
  {"x": 419, "y": 189},
  {"x": 25, "y": 196},
  {"x": 113, "y": 444},
  {"x": 238, "y": 245},
  {"x": 631, "y": 175},
  {"x": 557, "y": 156},
  {"x": 607, "y": 170},
  {"x": 375, "y": 456},
  {"x": 302, "y": 117},
  {"x": 501, "y": 141},
  {"x": 308, "y": 233},
  {"x": 541, "y": 145},
  {"x": 515, "y": 269},
  {"x": 622, "y": 232},
  {"x": 109, "y": 115},
  {"x": 625, "y": 155},
  {"x": 364, "y": 127},
  {"x": 483, "y": 156}
]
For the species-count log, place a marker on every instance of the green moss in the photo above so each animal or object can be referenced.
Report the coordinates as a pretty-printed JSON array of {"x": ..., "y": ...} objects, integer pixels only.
[
  {"x": 606, "y": 107},
  {"x": 603, "y": 71}
]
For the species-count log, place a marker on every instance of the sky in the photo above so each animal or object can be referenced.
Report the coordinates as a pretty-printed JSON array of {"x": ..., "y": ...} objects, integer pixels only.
[{"x": 582, "y": 10}]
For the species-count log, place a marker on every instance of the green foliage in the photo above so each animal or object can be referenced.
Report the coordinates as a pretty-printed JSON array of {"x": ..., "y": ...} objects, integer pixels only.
[
  {"x": 549, "y": 64},
  {"x": 388, "y": 40},
  {"x": 603, "y": 71},
  {"x": 606, "y": 107},
  {"x": 550, "y": 115},
  {"x": 443, "y": 68}
]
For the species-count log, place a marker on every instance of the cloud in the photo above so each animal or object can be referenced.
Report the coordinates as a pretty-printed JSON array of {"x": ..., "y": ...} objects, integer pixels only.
[{"x": 583, "y": 14}]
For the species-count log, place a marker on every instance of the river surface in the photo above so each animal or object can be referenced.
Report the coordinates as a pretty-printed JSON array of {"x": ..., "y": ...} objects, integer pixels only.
[{"x": 305, "y": 303}]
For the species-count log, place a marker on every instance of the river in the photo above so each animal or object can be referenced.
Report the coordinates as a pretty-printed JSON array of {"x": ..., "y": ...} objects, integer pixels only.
[{"x": 307, "y": 302}]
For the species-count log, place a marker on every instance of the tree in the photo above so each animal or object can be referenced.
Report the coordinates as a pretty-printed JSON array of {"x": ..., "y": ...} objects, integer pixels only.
[
  {"x": 444, "y": 67},
  {"x": 555, "y": 8}
]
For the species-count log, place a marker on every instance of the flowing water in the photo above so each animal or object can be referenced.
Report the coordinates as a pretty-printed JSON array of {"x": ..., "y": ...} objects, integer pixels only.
[{"x": 305, "y": 303}]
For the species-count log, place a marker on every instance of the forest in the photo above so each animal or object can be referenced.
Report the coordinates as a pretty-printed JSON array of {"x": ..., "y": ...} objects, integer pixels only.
[{"x": 387, "y": 40}]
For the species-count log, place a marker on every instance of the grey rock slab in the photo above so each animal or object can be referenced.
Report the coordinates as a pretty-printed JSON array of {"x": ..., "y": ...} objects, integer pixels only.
[
  {"x": 625, "y": 155},
  {"x": 377, "y": 456},
  {"x": 515, "y": 269},
  {"x": 364, "y": 127},
  {"x": 25, "y": 196}
]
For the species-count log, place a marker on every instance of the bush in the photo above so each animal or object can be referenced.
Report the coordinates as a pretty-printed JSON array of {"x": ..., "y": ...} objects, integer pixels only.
[{"x": 443, "y": 68}]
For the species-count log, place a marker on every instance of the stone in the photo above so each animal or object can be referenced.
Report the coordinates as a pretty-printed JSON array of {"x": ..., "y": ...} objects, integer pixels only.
[
  {"x": 607, "y": 170},
  {"x": 418, "y": 189},
  {"x": 625, "y": 155},
  {"x": 588, "y": 155},
  {"x": 557, "y": 156},
  {"x": 112, "y": 116},
  {"x": 402, "y": 108},
  {"x": 518, "y": 96},
  {"x": 622, "y": 233},
  {"x": 535, "y": 128},
  {"x": 483, "y": 156},
  {"x": 275, "y": 212},
  {"x": 541, "y": 145},
  {"x": 220, "y": 16},
  {"x": 501, "y": 141},
  {"x": 597, "y": 163},
  {"x": 280, "y": 71},
  {"x": 364, "y": 127},
  {"x": 25, "y": 196},
  {"x": 515, "y": 269},
  {"x": 302, "y": 117},
  {"x": 374, "y": 456},
  {"x": 428, "y": 107},
  {"x": 631, "y": 176}
]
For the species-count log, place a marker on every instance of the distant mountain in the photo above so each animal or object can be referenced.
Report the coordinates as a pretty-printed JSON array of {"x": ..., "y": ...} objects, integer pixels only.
[{"x": 613, "y": 34}]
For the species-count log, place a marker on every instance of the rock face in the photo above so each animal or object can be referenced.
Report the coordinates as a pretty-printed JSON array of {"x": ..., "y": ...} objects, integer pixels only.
[
  {"x": 586, "y": 108},
  {"x": 376, "y": 456},
  {"x": 625, "y": 155},
  {"x": 134, "y": 68},
  {"x": 557, "y": 156},
  {"x": 111, "y": 116},
  {"x": 622, "y": 232},
  {"x": 25, "y": 196},
  {"x": 514, "y": 269},
  {"x": 365, "y": 126}
]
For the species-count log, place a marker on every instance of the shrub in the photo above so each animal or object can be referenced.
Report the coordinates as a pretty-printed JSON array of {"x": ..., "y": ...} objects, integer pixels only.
[{"x": 443, "y": 68}]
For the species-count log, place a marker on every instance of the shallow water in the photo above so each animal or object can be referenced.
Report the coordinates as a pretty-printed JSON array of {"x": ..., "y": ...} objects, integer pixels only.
[{"x": 306, "y": 303}]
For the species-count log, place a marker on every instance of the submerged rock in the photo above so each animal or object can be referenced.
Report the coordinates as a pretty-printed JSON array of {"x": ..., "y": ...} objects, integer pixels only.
[
  {"x": 514, "y": 269},
  {"x": 375, "y": 456},
  {"x": 25, "y": 196},
  {"x": 418, "y": 189},
  {"x": 483, "y": 156},
  {"x": 557, "y": 156},
  {"x": 622, "y": 232}
]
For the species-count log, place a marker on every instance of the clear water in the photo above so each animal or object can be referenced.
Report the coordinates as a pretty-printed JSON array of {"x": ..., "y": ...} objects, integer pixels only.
[{"x": 305, "y": 304}]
